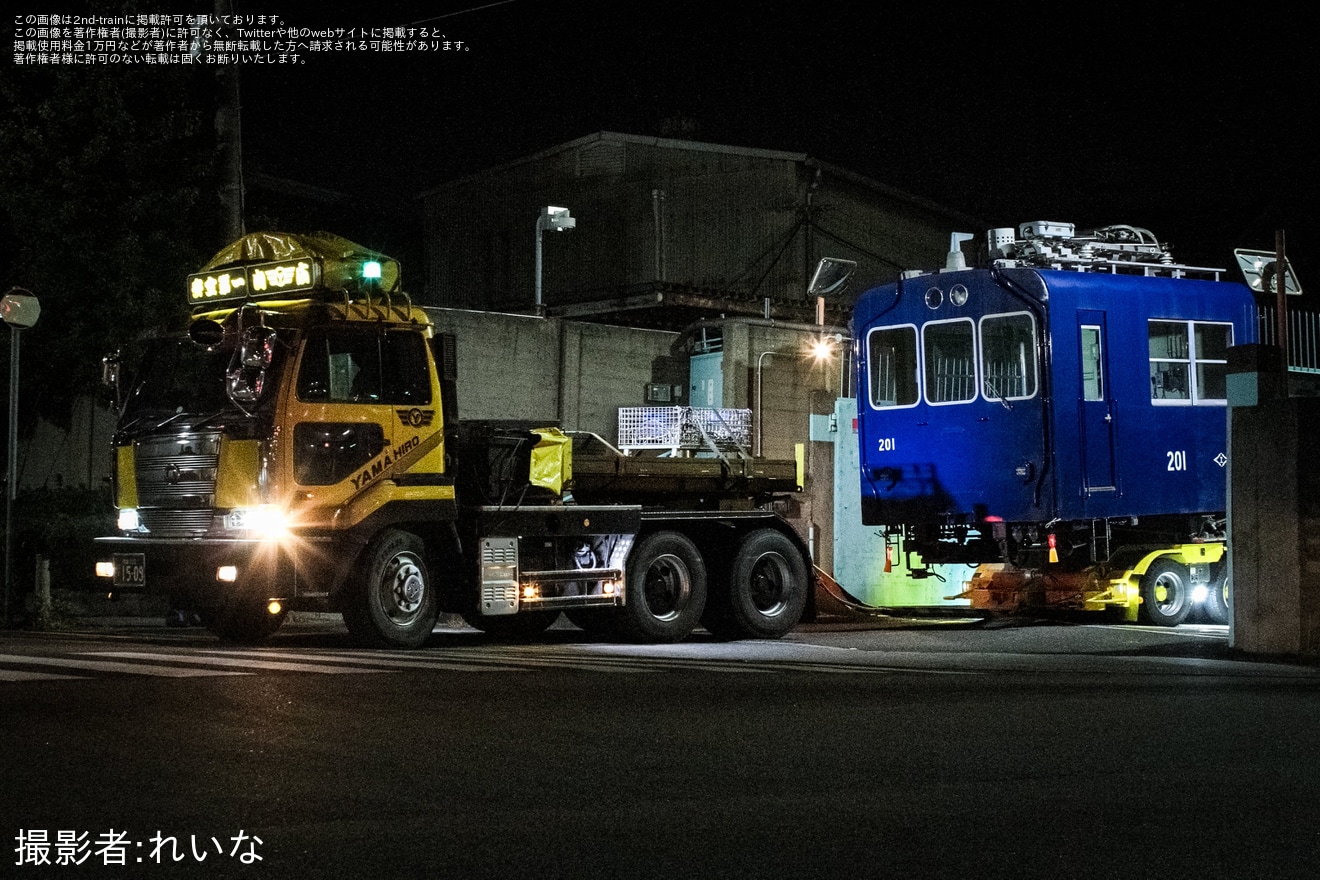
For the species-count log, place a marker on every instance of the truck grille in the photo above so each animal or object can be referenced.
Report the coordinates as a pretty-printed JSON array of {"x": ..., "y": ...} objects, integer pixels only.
[
  {"x": 176, "y": 482},
  {"x": 176, "y": 522}
]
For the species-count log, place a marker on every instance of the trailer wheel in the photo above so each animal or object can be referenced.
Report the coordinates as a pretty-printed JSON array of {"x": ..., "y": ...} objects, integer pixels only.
[
  {"x": 394, "y": 602},
  {"x": 1216, "y": 603},
  {"x": 1166, "y": 593},
  {"x": 245, "y": 623},
  {"x": 766, "y": 590},
  {"x": 513, "y": 627},
  {"x": 666, "y": 589}
]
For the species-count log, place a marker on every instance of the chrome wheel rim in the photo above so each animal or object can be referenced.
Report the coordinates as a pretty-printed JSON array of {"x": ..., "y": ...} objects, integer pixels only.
[
  {"x": 403, "y": 590},
  {"x": 667, "y": 587}
]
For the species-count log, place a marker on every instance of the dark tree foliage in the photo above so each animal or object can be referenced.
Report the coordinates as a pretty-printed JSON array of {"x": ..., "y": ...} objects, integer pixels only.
[{"x": 106, "y": 180}]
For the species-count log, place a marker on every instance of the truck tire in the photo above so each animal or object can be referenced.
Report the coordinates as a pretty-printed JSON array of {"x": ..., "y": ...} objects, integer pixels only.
[
  {"x": 1166, "y": 596},
  {"x": 1216, "y": 603},
  {"x": 766, "y": 590},
  {"x": 244, "y": 623},
  {"x": 666, "y": 589},
  {"x": 393, "y": 603},
  {"x": 513, "y": 627}
]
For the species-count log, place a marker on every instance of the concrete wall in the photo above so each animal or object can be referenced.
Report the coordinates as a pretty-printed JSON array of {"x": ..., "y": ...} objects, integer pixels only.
[
  {"x": 52, "y": 458},
  {"x": 1274, "y": 526},
  {"x": 522, "y": 367}
]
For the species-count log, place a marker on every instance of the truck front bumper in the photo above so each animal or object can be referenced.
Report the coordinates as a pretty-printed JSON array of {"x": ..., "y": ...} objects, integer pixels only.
[{"x": 202, "y": 572}]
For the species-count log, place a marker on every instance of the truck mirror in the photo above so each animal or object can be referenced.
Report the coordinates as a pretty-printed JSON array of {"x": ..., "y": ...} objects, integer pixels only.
[
  {"x": 258, "y": 347},
  {"x": 247, "y": 370},
  {"x": 110, "y": 371},
  {"x": 206, "y": 333},
  {"x": 246, "y": 385},
  {"x": 110, "y": 365}
]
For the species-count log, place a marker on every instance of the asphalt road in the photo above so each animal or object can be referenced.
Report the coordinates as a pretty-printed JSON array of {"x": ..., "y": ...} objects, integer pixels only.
[{"x": 845, "y": 750}]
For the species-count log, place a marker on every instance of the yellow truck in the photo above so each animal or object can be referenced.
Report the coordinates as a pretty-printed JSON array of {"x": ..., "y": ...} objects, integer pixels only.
[{"x": 298, "y": 446}]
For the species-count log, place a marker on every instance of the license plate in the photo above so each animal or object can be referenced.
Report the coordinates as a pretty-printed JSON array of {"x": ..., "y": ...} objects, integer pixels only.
[{"x": 130, "y": 570}]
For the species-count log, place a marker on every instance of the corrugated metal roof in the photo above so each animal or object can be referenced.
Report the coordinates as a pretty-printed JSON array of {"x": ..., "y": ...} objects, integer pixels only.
[
  {"x": 603, "y": 138},
  {"x": 666, "y": 306},
  {"x": 618, "y": 138}
]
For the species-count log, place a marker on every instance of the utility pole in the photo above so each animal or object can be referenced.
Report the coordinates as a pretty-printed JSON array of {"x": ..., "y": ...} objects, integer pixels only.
[
  {"x": 229, "y": 137},
  {"x": 20, "y": 310}
]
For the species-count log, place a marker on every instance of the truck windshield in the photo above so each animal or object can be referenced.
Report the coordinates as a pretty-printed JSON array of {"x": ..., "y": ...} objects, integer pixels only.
[{"x": 184, "y": 384}]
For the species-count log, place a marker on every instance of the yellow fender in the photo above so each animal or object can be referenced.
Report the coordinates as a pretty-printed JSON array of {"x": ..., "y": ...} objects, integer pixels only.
[{"x": 1129, "y": 583}]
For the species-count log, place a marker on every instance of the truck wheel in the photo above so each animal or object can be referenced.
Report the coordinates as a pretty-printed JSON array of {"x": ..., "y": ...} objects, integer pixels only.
[
  {"x": 245, "y": 623},
  {"x": 766, "y": 591},
  {"x": 1166, "y": 593},
  {"x": 394, "y": 603},
  {"x": 513, "y": 627},
  {"x": 666, "y": 589},
  {"x": 1216, "y": 603}
]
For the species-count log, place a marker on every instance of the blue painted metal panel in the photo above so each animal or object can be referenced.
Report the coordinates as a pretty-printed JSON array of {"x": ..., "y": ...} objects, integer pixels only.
[
  {"x": 1169, "y": 454},
  {"x": 859, "y": 551},
  {"x": 924, "y": 458},
  {"x": 945, "y": 438},
  {"x": 706, "y": 387}
]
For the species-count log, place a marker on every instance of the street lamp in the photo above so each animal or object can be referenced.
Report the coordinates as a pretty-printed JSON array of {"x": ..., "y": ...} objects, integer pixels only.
[
  {"x": 20, "y": 310},
  {"x": 557, "y": 219},
  {"x": 822, "y": 348}
]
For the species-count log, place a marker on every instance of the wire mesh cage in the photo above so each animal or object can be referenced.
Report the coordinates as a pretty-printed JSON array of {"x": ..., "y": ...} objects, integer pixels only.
[{"x": 683, "y": 427}]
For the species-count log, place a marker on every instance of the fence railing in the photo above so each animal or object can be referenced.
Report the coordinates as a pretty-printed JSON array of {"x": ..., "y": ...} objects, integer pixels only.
[{"x": 1303, "y": 337}]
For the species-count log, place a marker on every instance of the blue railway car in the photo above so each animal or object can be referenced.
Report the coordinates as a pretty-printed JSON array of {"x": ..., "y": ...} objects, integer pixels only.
[{"x": 1060, "y": 405}]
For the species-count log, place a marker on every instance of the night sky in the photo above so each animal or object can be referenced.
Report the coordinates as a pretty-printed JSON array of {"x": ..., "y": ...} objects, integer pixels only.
[{"x": 1163, "y": 115}]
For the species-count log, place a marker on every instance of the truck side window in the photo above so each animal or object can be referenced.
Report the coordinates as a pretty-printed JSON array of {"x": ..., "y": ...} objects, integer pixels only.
[
  {"x": 353, "y": 366},
  {"x": 325, "y": 453},
  {"x": 407, "y": 379}
]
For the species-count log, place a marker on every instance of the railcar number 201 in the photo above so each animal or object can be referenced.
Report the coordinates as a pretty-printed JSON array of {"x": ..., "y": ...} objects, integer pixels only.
[
  {"x": 1177, "y": 459},
  {"x": 885, "y": 444}
]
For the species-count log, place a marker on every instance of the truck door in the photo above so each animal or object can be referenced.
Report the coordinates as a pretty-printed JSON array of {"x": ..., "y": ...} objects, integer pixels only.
[
  {"x": 359, "y": 390},
  {"x": 1097, "y": 406}
]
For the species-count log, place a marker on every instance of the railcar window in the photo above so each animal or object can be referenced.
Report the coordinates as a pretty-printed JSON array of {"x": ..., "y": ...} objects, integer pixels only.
[
  {"x": 892, "y": 358},
  {"x": 949, "y": 351},
  {"x": 1188, "y": 361},
  {"x": 1093, "y": 375},
  {"x": 1008, "y": 357},
  {"x": 1212, "y": 344}
]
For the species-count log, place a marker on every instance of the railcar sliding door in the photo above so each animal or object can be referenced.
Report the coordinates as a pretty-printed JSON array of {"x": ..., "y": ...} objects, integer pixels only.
[{"x": 1096, "y": 405}]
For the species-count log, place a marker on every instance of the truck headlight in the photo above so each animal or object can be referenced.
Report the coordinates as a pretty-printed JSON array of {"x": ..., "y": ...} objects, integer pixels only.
[
  {"x": 129, "y": 521},
  {"x": 267, "y": 521}
]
